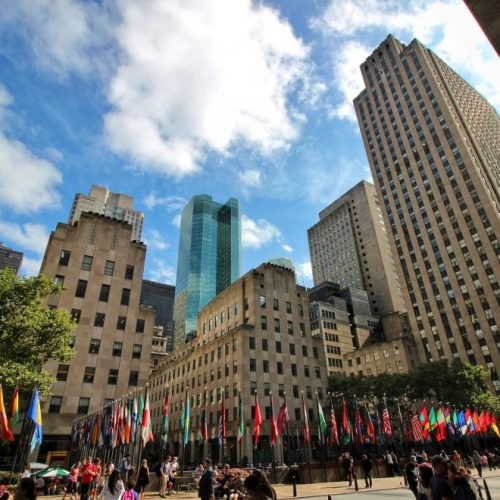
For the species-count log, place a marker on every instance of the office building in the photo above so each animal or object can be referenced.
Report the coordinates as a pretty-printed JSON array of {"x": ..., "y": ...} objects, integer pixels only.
[
  {"x": 102, "y": 201},
  {"x": 253, "y": 336},
  {"x": 209, "y": 259},
  {"x": 101, "y": 270},
  {"x": 10, "y": 258},
  {"x": 349, "y": 246},
  {"x": 487, "y": 14},
  {"x": 433, "y": 144},
  {"x": 160, "y": 297}
]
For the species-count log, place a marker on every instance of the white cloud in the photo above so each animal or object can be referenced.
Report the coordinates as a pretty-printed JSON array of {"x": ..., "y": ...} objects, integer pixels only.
[
  {"x": 162, "y": 272},
  {"x": 30, "y": 267},
  {"x": 176, "y": 221},
  {"x": 304, "y": 273},
  {"x": 250, "y": 177},
  {"x": 155, "y": 240},
  {"x": 287, "y": 248},
  {"x": 171, "y": 203},
  {"x": 28, "y": 236},
  {"x": 446, "y": 26},
  {"x": 204, "y": 76},
  {"x": 54, "y": 154},
  {"x": 255, "y": 234}
]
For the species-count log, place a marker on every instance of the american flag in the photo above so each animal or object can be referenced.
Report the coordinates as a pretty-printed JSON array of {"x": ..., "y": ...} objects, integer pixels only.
[
  {"x": 386, "y": 422},
  {"x": 282, "y": 418},
  {"x": 416, "y": 429}
]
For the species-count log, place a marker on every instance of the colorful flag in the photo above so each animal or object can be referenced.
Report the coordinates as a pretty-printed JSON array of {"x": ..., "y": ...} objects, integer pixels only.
[
  {"x": 140, "y": 411},
  {"x": 127, "y": 421},
  {"x": 475, "y": 420},
  {"x": 223, "y": 416},
  {"x": 462, "y": 423},
  {"x": 494, "y": 426},
  {"x": 358, "y": 426},
  {"x": 274, "y": 427},
  {"x": 335, "y": 431},
  {"x": 165, "y": 418},
  {"x": 220, "y": 430},
  {"x": 416, "y": 429},
  {"x": 203, "y": 421},
  {"x": 307, "y": 434},
  {"x": 34, "y": 413},
  {"x": 135, "y": 418},
  {"x": 432, "y": 419},
  {"x": 241, "y": 420},
  {"x": 283, "y": 418},
  {"x": 187, "y": 420},
  {"x": 257, "y": 422},
  {"x": 386, "y": 422},
  {"x": 147, "y": 435},
  {"x": 447, "y": 419},
  {"x": 14, "y": 409},
  {"x": 5, "y": 432},
  {"x": 321, "y": 418},
  {"x": 346, "y": 425},
  {"x": 379, "y": 426},
  {"x": 423, "y": 417},
  {"x": 470, "y": 424},
  {"x": 441, "y": 425},
  {"x": 370, "y": 428}
]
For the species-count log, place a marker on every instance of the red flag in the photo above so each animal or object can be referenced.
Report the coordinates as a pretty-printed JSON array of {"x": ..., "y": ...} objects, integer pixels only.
[
  {"x": 370, "y": 428},
  {"x": 5, "y": 431},
  {"x": 282, "y": 418},
  {"x": 424, "y": 422},
  {"x": 358, "y": 426},
  {"x": 274, "y": 427},
  {"x": 307, "y": 434},
  {"x": 256, "y": 423},
  {"x": 345, "y": 420},
  {"x": 386, "y": 422},
  {"x": 335, "y": 431},
  {"x": 223, "y": 417},
  {"x": 416, "y": 428}
]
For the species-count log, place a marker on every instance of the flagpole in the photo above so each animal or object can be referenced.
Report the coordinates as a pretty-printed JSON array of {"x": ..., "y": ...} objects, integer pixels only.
[
  {"x": 288, "y": 447},
  {"x": 321, "y": 438},
  {"x": 306, "y": 443}
]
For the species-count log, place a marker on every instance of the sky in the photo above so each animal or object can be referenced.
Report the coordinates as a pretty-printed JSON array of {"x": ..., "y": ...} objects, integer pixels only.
[{"x": 165, "y": 99}]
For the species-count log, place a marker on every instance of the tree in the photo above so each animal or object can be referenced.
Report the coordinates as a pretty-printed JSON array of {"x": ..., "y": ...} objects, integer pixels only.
[{"x": 31, "y": 332}]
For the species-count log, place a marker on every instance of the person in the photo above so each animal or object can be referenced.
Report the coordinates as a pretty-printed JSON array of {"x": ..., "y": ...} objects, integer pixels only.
[
  {"x": 109, "y": 467},
  {"x": 198, "y": 472},
  {"x": 347, "y": 464},
  {"x": 88, "y": 473},
  {"x": 25, "y": 489},
  {"x": 26, "y": 471},
  {"x": 97, "y": 478},
  {"x": 411, "y": 471},
  {"x": 440, "y": 487},
  {"x": 113, "y": 489},
  {"x": 456, "y": 458},
  {"x": 472, "y": 481},
  {"x": 125, "y": 467},
  {"x": 476, "y": 460},
  {"x": 164, "y": 477},
  {"x": 130, "y": 493},
  {"x": 142, "y": 480},
  {"x": 220, "y": 488},
  {"x": 174, "y": 465},
  {"x": 459, "y": 485},
  {"x": 366, "y": 465},
  {"x": 390, "y": 463},
  {"x": 257, "y": 487},
  {"x": 395, "y": 464},
  {"x": 237, "y": 488},
  {"x": 206, "y": 484},
  {"x": 424, "y": 479},
  {"x": 72, "y": 481}
]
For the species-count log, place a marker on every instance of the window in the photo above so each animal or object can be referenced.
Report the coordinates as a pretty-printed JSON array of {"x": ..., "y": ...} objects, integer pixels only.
[
  {"x": 267, "y": 388},
  {"x": 55, "y": 404},
  {"x": 281, "y": 390},
  {"x": 276, "y": 305},
  {"x": 289, "y": 307},
  {"x": 104, "y": 294},
  {"x": 289, "y": 326},
  {"x": 304, "y": 350},
  {"x": 133, "y": 378},
  {"x": 87, "y": 262},
  {"x": 278, "y": 346},
  {"x": 264, "y": 345},
  {"x": 294, "y": 369},
  {"x": 59, "y": 279},
  {"x": 99, "y": 319},
  {"x": 301, "y": 310},
  {"x": 263, "y": 323},
  {"x": 236, "y": 308},
  {"x": 125, "y": 296},
  {"x": 251, "y": 343},
  {"x": 298, "y": 414},
  {"x": 75, "y": 315},
  {"x": 292, "y": 349},
  {"x": 62, "y": 373},
  {"x": 121, "y": 322},
  {"x": 277, "y": 325},
  {"x": 265, "y": 366},
  {"x": 252, "y": 365},
  {"x": 83, "y": 406},
  {"x": 262, "y": 301},
  {"x": 64, "y": 258},
  {"x": 129, "y": 272},
  {"x": 139, "y": 326},
  {"x": 295, "y": 392},
  {"x": 113, "y": 376},
  {"x": 317, "y": 371},
  {"x": 109, "y": 267},
  {"x": 306, "y": 370},
  {"x": 81, "y": 288},
  {"x": 302, "y": 329},
  {"x": 136, "y": 351},
  {"x": 94, "y": 346},
  {"x": 88, "y": 375},
  {"x": 117, "y": 348},
  {"x": 279, "y": 367}
]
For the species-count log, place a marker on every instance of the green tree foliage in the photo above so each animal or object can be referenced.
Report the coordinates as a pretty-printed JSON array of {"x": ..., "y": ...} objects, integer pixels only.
[
  {"x": 30, "y": 332},
  {"x": 451, "y": 382}
]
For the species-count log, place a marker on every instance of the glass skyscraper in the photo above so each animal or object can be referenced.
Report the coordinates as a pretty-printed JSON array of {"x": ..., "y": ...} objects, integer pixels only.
[{"x": 209, "y": 258}]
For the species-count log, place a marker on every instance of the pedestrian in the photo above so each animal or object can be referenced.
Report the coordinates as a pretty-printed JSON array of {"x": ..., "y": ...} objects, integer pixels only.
[
  {"x": 125, "y": 467},
  {"x": 257, "y": 487},
  {"x": 174, "y": 466},
  {"x": 206, "y": 485},
  {"x": 142, "y": 479},
  {"x": 424, "y": 481},
  {"x": 411, "y": 472},
  {"x": 198, "y": 472},
  {"x": 366, "y": 465},
  {"x": 440, "y": 486},
  {"x": 97, "y": 478},
  {"x": 476, "y": 459},
  {"x": 25, "y": 489},
  {"x": 164, "y": 476},
  {"x": 130, "y": 493},
  {"x": 88, "y": 473},
  {"x": 395, "y": 464},
  {"x": 347, "y": 465},
  {"x": 390, "y": 463},
  {"x": 113, "y": 489},
  {"x": 72, "y": 481}
]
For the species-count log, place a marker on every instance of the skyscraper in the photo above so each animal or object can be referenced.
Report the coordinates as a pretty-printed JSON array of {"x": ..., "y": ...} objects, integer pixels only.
[
  {"x": 433, "y": 144},
  {"x": 349, "y": 246},
  {"x": 10, "y": 258},
  {"x": 102, "y": 201},
  {"x": 209, "y": 258}
]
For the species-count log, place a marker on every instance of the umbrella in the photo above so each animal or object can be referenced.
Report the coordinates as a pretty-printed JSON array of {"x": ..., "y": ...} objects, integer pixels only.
[
  {"x": 53, "y": 472},
  {"x": 37, "y": 466}
]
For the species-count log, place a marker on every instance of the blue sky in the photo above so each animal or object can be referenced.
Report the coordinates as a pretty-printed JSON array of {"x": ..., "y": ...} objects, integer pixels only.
[{"x": 164, "y": 99}]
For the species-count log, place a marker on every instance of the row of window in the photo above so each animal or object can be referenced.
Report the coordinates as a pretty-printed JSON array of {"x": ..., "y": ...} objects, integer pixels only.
[
  {"x": 89, "y": 374},
  {"x": 279, "y": 368},
  {"x": 99, "y": 319},
  {"x": 87, "y": 261},
  {"x": 276, "y": 306},
  {"x": 277, "y": 326},
  {"x": 278, "y": 347}
]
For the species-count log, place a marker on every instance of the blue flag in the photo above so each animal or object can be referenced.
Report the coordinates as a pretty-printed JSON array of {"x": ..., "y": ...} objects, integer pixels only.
[{"x": 34, "y": 413}]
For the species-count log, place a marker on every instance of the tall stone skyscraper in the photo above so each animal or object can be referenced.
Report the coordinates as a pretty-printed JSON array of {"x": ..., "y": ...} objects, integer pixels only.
[
  {"x": 102, "y": 201},
  {"x": 349, "y": 246},
  {"x": 10, "y": 258},
  {"x": 433, "y": 143},
  {"x": 209, "y": 258}
]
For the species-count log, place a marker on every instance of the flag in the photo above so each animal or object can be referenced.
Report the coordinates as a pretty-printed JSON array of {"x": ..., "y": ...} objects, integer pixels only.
[
  {"x": 447, "y": 419},
  {"x": 127, "y": 422},
  {"x": 203, "y": 431},
  {"x": 241, "y": 420},
  {"x": 379, "y": 426},
  {"x": 335, "y": 431},
  {"x": 456, "y": 425},
  {"x": 475, "y": 419},
  {"x": 5, "y": 432},
  {"x": 423, "y": 416},
  {"x": 346, "y": 425},
  {"x": 358, "y": 425},
  {"x": 401, "y": 424},
  {"x": 494, "y": 425},
  {"x": 462, "y": 423},
  {"x": 187, "y": 420},
  {"x": 416, "y": 429},
  {"x": 432, "y": 419},
  {"x": 441, "y": 425},
  {"x": 146, "y": 422},
  {"x": 135, "y": 418},
  {"x": 307, "y": 434},
  {"x": 223, "y": 416},
  {"x": 183, "y": 415},
  {"x": 140, "y": 410},
  {"x": 220, "y": 430},
  {"x": 274, "y": 427},
  {"x": 321, "y": 418},
  {"x": 283, "y": 418},
  {"x": 370, "y": 428},
  {"x": 165, "y": 418},
  {"x": 102, "y": 429},
  {"x": 482, "y": 422},
  {"x": 256, "y": 423},
  {"x": 470, "y": 424},
  {"x": 386, "y": 422},
  {"x": 14, "y": 409},
  {"x": 34, "y": 413}
]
